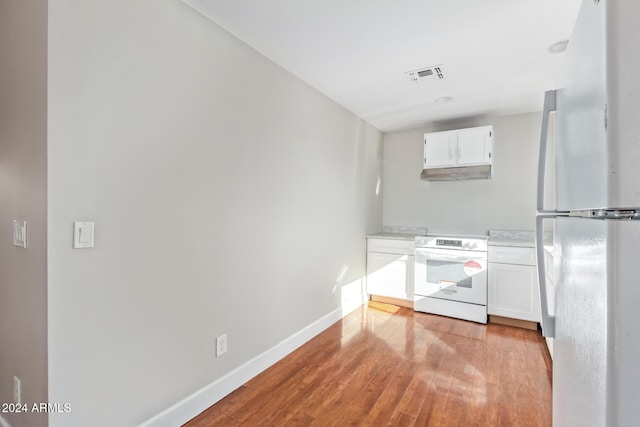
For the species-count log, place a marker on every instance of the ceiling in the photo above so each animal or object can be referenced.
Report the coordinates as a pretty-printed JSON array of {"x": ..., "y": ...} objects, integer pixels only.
[{"x": 493, "y": 53}]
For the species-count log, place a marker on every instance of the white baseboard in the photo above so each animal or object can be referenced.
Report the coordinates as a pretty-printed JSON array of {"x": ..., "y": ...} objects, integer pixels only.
[
  {"x": 194, "y": 404},
  {"x": 353, "y": 304}
]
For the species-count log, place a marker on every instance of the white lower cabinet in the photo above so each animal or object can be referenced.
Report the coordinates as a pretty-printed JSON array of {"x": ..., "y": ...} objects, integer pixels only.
[
  {"x": 513, "y": 283},
  {"x": 390, "y": 267}
]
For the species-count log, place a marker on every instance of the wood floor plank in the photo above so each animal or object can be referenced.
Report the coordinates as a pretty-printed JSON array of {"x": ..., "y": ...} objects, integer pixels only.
[
  {"x": 384, "y": 407},
  {"x": 413, "y": 398},
  {"x": 388, "y": 365},
  {"x": 402, "y": 420}
]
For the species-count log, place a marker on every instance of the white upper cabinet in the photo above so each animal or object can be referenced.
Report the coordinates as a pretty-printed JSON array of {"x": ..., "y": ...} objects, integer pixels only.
[
  {"x": 463, "y": 147},
  {"x": 474, "y": 146},
  {"x": 439, "y": 149}
]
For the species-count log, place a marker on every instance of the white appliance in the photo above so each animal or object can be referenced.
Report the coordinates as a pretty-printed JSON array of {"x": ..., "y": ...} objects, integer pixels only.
[
  {"x": 596, "y": 349},
  {"x": 451, "y": 276}
]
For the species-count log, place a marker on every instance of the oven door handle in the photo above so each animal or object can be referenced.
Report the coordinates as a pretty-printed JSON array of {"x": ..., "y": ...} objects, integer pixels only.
[{"x": 447, "y": 256}]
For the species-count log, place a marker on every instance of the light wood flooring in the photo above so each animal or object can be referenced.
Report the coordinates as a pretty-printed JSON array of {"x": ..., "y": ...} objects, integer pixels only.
[{"x": 387, "y": 365}]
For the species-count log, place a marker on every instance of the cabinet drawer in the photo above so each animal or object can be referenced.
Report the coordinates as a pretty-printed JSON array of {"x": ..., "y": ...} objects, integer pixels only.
[
  {"x": 512, "y": 255},
  {"x": 391, "y": 246}
]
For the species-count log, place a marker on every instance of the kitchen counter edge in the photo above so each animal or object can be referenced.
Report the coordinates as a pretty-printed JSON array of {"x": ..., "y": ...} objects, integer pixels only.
[
  {"x": 522, "y": 239},
  {"x": 393, "y": 236}
]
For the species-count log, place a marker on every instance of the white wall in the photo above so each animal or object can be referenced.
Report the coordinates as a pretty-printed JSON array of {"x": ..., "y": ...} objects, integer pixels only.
[
  {"x": 23, "y": 150},
  {"x": 227, "y": 197},
  {"x": 507, "y": 201}
]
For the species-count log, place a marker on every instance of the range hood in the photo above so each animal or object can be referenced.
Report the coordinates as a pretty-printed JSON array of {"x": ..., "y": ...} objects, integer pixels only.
[{"x": 458, "y": 173}]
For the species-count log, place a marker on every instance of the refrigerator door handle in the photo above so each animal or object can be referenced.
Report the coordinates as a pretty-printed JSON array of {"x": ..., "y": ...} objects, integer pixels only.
[
  {"x": 548, "y": 108},
  {"x": 548, "y": 321}
]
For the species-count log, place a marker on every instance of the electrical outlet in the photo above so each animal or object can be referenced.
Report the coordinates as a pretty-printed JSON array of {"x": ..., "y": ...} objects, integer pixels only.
[
  {"x": 17, "y": 398},
  {"x": 221, "y": 345}
]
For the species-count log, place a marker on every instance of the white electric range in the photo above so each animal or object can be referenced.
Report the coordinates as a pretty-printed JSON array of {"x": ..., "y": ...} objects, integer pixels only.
[{"x": 451, "y": 276}]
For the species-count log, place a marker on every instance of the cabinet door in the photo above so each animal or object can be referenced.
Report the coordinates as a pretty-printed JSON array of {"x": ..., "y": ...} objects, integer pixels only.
[
  {"x": 513, "y": 292},
  {"x": 389, "y": 275},
  {"x": 439, "y": 149},
  {"x": 474, "y": 146}
]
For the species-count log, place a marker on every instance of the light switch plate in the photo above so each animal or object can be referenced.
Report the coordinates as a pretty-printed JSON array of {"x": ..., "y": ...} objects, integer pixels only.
[
  {"x": 82, "y": 234},
  {"x": 20, "y": 233}
]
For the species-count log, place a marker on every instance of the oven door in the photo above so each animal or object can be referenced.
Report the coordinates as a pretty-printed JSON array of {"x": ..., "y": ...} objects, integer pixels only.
[{"x": 451, "y": 274}]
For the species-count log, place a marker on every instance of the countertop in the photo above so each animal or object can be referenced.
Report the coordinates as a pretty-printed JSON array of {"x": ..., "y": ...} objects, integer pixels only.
[
  {"x": 398, "y": 233},
  {"x": 519, "y": 238},
  {"x": 513, "y": 238},
  {"x": 392, "y": 236}
]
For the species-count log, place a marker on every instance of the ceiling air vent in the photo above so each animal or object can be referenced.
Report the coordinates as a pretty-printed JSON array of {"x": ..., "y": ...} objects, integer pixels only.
[{"x": 431, "y": 73}]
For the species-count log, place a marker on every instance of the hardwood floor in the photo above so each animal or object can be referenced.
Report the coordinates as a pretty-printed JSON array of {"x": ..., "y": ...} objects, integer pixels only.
[{"x": 387, "y": 365}]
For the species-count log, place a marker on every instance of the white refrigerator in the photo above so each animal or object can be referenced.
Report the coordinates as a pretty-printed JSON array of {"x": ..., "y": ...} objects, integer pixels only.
[{"x": 596, "y": 321}]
